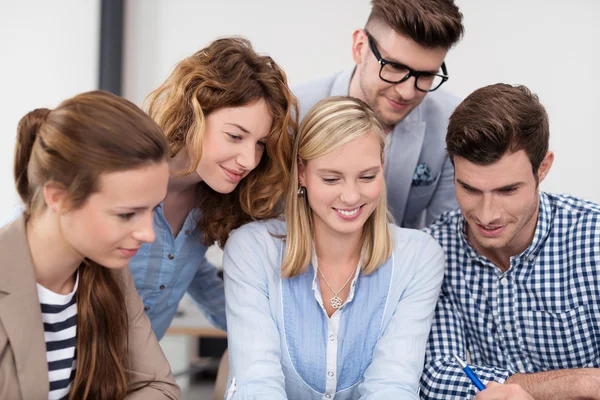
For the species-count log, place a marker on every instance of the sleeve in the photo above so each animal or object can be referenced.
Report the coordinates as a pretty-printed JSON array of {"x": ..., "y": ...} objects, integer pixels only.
[
  {"x": 146, "y": 363},
  {"x": 442, "y": 376},
  {"x": 253, "y": 337},
  {"x": 399, "y": 354},
  {"x": 208, "y": 292},
  {"x": 444, "y": 197}
]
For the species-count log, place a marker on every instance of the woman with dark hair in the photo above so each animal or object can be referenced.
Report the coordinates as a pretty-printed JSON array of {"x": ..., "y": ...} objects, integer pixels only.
[{"x": 72, "y": 326}]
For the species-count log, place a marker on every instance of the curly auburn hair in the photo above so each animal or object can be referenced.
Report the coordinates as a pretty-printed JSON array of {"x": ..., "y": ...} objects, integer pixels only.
[{"x": 228, "y": 73}]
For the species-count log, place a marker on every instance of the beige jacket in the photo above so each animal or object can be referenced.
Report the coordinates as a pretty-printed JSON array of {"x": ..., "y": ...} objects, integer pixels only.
[{"x": 23, "y": 365}]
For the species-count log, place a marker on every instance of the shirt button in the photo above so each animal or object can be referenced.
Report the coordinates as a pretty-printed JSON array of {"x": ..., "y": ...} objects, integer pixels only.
[
  {"x": 508, "y": 327},
  {"x": 330, "y": 373},
  {"x": 531, "y": 258},
  {"x": 327, "y": 396},
  {"x": 147, "y": 308},
  {"x": 331, "y": 338},
  {"x": 503, "y": 281},
  {"x": 171, "y": 256},
  {"x": 187, "y": 231},
  {"x": 162, "y": 287}
]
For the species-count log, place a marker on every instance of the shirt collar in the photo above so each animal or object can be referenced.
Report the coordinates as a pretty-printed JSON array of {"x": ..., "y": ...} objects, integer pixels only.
[
  {"x": 341, "y": 84},
  {"x": 542, "y": 230},
  {"x": 190, "y": 222}
]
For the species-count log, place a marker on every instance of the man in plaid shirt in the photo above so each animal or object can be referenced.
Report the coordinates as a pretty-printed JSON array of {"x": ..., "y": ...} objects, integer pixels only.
[{"x": 521, "y": 294}]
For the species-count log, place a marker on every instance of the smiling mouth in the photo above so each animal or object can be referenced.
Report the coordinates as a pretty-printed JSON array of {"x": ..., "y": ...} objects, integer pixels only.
[
  {"x": 129, "y": 252},
  {"x": 232, "y": 175},
  {"x": 397, "y": 104},
  {"x": 491, "y": 231},
  {"x": 348, "y": 213}
]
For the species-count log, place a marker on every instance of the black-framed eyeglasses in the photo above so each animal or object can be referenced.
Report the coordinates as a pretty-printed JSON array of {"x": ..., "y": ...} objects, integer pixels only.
[{"x": 393, "y": 72}]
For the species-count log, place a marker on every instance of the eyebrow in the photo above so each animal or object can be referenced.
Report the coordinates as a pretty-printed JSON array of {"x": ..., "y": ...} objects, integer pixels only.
[
  {"x": 333, "y": 171},
  {"x": 394, "y": 61},
  {"x": 139, "y": 208},
  {"x": 498, "y": 189},
  {"x": 238, "y": 126}
]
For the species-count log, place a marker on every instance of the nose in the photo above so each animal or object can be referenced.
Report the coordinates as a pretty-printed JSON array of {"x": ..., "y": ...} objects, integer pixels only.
[
  {"x": 489, "y": 212},
  {"x": 407, "y": 89},
  {"x": 248, "y": 157},
  {"x": 145, "y": 230},
  {"x": 349, "y": 194}
]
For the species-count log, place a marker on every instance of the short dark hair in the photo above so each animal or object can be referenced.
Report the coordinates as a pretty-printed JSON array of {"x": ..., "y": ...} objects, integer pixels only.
[
  {"x": 430, "y": 23},
  {"x": 497, "y": 119}
]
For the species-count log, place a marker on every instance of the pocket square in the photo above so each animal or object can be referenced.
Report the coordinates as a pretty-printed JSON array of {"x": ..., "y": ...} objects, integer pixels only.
[{"x": 422, "y": 176}]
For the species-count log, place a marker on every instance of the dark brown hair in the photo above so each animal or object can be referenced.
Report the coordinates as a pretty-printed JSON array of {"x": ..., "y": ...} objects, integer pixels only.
[
  {"x": 431, "y": 23},
  {"x": 85, "y": 136},
  {"x": 228, "y": 73},
  {"x": 497, "y": 119}
]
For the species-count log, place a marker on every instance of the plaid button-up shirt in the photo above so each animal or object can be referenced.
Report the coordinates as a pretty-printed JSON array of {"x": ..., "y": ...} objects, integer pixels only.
[{"x": 542, "y": 314}]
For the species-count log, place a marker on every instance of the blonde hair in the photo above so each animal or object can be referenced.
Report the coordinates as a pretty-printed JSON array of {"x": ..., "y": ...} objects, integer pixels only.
[
  {"x": 228, "y": 73},
  {"x": 330, "y": 124}
]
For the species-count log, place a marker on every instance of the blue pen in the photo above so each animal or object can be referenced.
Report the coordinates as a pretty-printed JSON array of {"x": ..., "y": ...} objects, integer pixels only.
[{"x": 470, "y": 373}]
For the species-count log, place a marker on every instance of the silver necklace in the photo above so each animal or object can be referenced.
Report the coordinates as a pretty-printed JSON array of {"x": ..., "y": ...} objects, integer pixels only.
[{"x": 335, "y": 301}]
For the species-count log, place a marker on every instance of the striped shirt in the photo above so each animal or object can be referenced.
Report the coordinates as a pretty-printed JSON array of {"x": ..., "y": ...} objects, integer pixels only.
[{"x": 59, "y": 313}]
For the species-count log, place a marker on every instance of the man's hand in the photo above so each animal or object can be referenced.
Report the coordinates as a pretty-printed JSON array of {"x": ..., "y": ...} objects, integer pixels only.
[{"x": 496, "y": 391}]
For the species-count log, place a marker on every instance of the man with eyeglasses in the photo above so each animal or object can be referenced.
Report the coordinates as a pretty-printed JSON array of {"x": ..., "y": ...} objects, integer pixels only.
[{"x": 399, "y": 69}]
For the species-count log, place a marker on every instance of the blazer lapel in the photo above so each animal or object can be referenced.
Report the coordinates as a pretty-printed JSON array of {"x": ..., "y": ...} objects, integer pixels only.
[
  {"x": 20, "y": 312},
  {"x": 401, "y": 160}
]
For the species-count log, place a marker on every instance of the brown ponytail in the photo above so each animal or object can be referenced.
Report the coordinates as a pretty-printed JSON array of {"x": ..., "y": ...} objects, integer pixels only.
[
  {"x": 88, "y": 135},
  {"x": 101, "y": 336},
  {"x": 26, "y": 134}
]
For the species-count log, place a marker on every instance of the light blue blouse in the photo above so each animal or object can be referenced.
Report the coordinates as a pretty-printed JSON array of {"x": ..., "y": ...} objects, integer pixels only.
[
  {"x": 164, "y": 270},
  {"x": 282, "y": 345}
]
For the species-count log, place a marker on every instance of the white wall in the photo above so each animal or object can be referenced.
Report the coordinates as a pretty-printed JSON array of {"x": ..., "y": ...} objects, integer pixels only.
[
  {"x": 552, "y": 47},
  {"x": 48, "y": 52},
  {"x": 549, "y": 45}
]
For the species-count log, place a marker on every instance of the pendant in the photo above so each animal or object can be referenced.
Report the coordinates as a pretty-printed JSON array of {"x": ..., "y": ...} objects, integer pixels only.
[{"x": 335, "y": 302}]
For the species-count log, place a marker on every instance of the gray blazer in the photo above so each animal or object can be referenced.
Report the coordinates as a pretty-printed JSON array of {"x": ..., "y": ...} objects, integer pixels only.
[
  {"x": 418, "y": 174},
  {"x": 23, "y": 365}
]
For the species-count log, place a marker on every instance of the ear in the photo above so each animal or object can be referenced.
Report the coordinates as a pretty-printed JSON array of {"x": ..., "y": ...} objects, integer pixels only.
[
  {"x": 359, "y": 44},
  {"x": 545, "y": 166},
  {"x": 301, "y": 172},
  {"x": 56, "y": 197}
]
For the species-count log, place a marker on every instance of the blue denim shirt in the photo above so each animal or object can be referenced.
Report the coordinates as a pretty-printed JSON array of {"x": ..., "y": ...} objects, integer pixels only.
[
  {"x": 165, "y": 269},
  {"x": 282, "y": 344}
]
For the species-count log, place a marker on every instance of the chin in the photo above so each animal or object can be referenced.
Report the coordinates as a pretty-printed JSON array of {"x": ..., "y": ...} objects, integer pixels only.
[
  {"x": 112, "y": 263},
  {"x": 492, "y": 243},
  {"x": 223, "y": 187},
  {"x": 348, "y": 228}
]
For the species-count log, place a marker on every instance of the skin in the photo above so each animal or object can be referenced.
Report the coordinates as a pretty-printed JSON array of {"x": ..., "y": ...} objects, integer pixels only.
[
  {"x": 500, "y": 203},
  {"x": 348, "y": 180},
  {"x": 233, "y": 145},
  {"x": 391, "y": 102},
  {"x": 496, "y": 391},
  {"x": 108, "y": 228}
]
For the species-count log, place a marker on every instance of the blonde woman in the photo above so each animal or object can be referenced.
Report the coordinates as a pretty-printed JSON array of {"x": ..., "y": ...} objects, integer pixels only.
[{"x": 333, "y": 301}]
